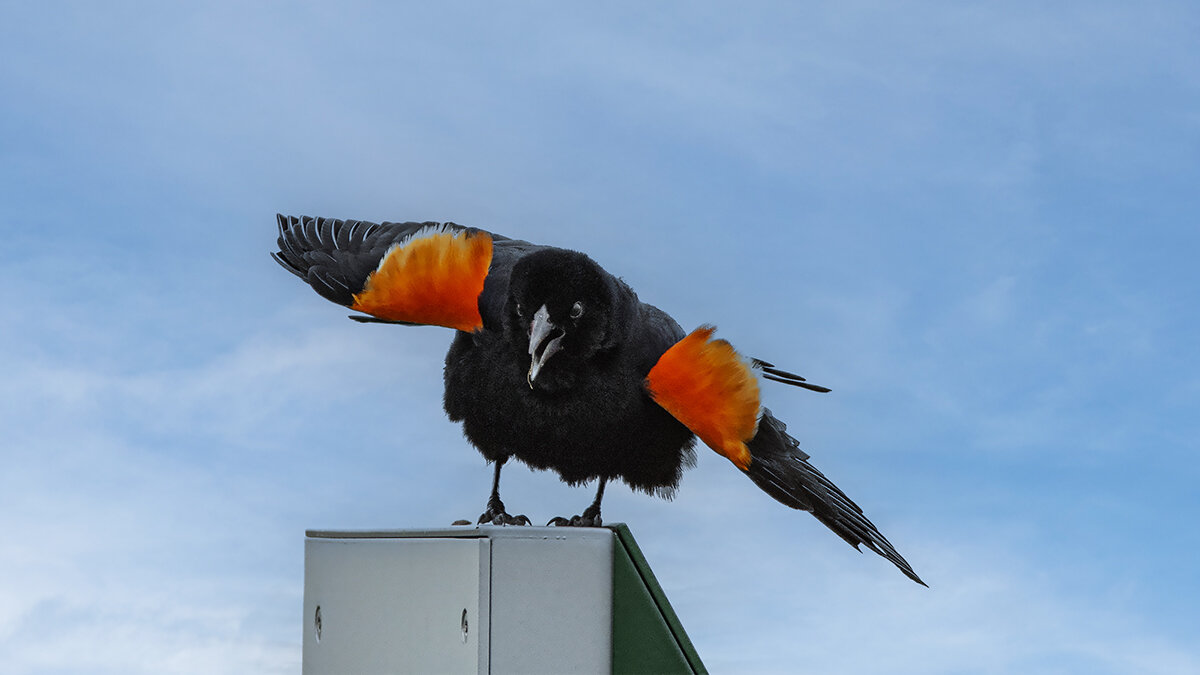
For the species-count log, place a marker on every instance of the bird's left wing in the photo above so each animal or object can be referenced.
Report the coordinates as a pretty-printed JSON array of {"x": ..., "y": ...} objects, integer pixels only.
[
  {"x": 708, "y": 387},
  {"x": 414, "y": 273},
  {"x": 705, "y": 384}
]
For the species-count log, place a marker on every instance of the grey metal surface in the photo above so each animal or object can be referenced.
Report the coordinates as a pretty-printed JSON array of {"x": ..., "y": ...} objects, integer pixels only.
[
  {"x": 396, "y": 605},
  {"x": 552, "y": 601},
  {"x": 537, "y": 600}
]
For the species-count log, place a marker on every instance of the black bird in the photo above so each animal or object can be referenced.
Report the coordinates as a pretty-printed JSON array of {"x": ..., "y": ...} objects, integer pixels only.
[{"x": 557, "y": 363}]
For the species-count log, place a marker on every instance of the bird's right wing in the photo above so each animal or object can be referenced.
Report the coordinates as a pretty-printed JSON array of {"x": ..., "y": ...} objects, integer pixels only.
[
  {"x": 706, "y": 385},
  {"x": 415, "y": 273}
]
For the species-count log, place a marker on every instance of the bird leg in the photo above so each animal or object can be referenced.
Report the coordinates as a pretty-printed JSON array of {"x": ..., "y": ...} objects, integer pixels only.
[
  {"x": 495, "y": 513},
  {"x": 591, "y": 515}
]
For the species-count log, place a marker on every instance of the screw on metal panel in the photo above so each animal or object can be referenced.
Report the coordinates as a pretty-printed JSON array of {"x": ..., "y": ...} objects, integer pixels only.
[
  {"x": 464, "y": 626},
  {"x": 317, "y": 623}
]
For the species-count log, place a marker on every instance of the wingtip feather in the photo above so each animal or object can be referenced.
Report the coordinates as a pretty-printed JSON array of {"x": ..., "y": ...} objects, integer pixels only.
[{"x": 782, "y": 470}]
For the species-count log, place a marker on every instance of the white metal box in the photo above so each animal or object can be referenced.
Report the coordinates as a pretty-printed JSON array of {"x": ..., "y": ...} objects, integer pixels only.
[
  {"x": 461, "y": 600},
  {"x": 488, "y": 600}
]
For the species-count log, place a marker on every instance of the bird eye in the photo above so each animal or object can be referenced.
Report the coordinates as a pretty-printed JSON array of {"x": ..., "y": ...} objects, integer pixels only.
[
  {"x": 520, "y": 310},
  {"x": 576, "y": 310}
]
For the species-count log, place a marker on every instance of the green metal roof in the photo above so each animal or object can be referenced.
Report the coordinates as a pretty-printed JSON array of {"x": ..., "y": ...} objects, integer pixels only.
[{"x": 647, "y": 635}]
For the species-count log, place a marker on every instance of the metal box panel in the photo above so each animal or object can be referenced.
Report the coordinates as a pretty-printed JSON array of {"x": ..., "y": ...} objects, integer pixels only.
[
  {"x": 387, "y": 605},
  {"x": 552, "y": 600}
]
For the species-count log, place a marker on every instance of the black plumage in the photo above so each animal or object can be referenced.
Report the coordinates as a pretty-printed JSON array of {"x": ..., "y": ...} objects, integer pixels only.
[
  {"x": 587, "y": 414},
  {"x": 555, "y": 374}
]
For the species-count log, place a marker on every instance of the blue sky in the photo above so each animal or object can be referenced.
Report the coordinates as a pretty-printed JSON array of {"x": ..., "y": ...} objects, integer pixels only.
[{"x": 977, "y": 224}]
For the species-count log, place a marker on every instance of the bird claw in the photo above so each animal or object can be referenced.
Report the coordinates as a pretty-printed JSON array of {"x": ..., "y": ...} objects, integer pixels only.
[
  {"x": 496, "y": 515},
  {"x": 502, "y": 518},
  {"x": 588, "y": 519}
]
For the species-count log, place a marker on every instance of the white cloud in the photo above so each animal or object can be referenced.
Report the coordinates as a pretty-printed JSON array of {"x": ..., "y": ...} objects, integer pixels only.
[
  {"x": 788, "y": 597},
  {"x": 161, "y": 511}
]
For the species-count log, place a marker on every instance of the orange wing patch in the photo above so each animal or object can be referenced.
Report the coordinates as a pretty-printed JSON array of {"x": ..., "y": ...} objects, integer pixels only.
[
  {"x": 707, "y": 386},
  {"x": 432, "y": 279}
]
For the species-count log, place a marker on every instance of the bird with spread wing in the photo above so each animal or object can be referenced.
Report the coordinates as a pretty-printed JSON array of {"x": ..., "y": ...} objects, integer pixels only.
[{"x": 557, "y": 363}]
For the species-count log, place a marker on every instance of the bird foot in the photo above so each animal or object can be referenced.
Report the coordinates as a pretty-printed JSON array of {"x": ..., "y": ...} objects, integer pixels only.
[
  {"x": 499, "y": 517},
  {"x": 590, "y": 518}
]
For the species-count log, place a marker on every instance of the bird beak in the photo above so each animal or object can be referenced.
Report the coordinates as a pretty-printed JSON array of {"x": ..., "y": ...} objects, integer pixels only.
[{"x": 545, "y": 339}]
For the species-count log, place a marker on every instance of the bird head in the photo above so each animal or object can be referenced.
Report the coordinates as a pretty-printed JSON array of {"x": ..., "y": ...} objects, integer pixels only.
[{"x": 559, "y": 310}]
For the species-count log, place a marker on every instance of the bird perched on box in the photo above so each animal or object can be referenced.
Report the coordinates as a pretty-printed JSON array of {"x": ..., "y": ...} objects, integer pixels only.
[{"x": 558, "y": 364}]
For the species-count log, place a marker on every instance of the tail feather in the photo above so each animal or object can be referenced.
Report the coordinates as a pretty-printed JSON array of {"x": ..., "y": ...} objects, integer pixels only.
[{"x": 781, "y": 469}]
